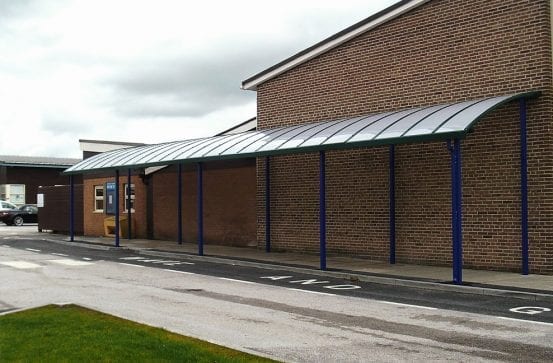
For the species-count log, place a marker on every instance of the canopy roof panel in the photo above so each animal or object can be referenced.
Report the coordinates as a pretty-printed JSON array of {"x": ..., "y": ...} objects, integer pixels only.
[{"x": 430, "y": 123}]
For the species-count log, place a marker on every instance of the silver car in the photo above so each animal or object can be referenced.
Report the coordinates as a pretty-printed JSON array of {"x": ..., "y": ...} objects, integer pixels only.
[{"x": 7, "y": 205}]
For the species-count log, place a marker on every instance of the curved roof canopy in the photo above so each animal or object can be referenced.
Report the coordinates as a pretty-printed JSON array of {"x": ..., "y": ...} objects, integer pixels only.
[{"x": 429, "y": 123}]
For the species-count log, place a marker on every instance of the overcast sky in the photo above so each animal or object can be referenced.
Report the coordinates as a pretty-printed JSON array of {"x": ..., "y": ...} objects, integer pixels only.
[{"x": 145, "y": 71}]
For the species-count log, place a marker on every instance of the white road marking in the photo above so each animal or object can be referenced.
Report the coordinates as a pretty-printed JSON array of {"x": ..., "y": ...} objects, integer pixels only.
[
  {"x": 274, "y": 278},
  {"x": 312, "y": 292},
  {"x": 20, "y": 264},
  {"x": 164, "y": 262},
  {"x": 309, "y": 282},
  {"x": 59, "y": 254},
  {"x": 530, "y": 310},
  {"x": 87, "y": 259},
  {"x": 153, "y": 261},
  {"x": 234, "y": 280},
  {"x": 180, "y": 272},
  {"x": 131, "y": 264},
  {"x": 525, "y": 321},
  {"x": 342, "y": 287},
  {"x": 32, "y": 249},
  {"x": 69, "y": 262},
  {"x": 406, "y": 305}
]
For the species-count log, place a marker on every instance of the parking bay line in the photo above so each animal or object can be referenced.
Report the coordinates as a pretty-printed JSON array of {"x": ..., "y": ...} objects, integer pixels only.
[{"x": 32, "y": 249}]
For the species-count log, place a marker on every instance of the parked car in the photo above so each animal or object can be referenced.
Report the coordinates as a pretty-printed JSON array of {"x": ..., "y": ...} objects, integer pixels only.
[
  {"x": 24, "y": 214},
  {"x": 6, "y": 205}
]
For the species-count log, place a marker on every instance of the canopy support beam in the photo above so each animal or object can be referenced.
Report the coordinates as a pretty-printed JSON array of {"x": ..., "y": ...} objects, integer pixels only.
[
  {"x": 524, "y": 187},
  {"x": 392, "y": 197},
  {"x": 200, "y": 210},
  {"x": 322, "y": 210},
  {"x": 71, "y": 208},
  {"x": 116, "y": 207},
  {"x": 267, "y": 204},
  {"x": 456, "y": 210},
  {"x": 129, "y": 199}
]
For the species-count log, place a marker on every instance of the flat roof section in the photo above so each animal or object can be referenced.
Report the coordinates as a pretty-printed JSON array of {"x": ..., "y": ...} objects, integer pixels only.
[
  {"x": 429, "y": 123},
  {"x": 37, "y": 161}
]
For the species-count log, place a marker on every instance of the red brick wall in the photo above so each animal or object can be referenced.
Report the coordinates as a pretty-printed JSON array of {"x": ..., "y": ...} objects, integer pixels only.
[
  {"x": 443, "y": 51},
  {"x": 94, "y": 221},
  {"x": 229, "y": 203}
]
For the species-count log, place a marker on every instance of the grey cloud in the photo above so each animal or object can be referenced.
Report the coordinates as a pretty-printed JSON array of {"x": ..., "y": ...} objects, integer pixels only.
[
  {"x": 190, "y": 86},
  {"x": 60, "y": 123},
  {"x": 196, "y": 84},
  {"x": 10, "y": 9}
]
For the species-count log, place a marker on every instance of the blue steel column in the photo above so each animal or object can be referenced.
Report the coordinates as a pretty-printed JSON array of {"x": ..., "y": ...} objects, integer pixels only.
[
  {"x": 268, "y": 204},
  {"x": 200, "y": 211},
  {"x": 456, "y": 212},
  {"x": 71, "y": 208},
  {"x": 453, "y": 206},
  {"x": 524, "y": 187},
  {"x": 322, "y": 210},
  {"x": 116, "y": 208},
  {"x": 179, "y": 203},
  {"x": 129, "y": 223},
  {"x": 392, "y": 197}
]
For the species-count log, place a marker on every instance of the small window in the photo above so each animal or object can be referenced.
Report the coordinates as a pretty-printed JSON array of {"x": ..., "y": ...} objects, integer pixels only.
[
  {"x": 127, "y": 198},
  {"x": 98, "y": 198},
  {"x": 14, "y": 193}
]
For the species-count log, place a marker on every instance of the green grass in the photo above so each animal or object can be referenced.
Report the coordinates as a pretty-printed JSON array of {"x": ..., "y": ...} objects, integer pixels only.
[{"x": 71, "y": 333}]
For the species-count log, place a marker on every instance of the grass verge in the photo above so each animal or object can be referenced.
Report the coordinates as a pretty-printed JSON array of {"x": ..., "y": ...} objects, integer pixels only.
[{"x": 71, "y": 333}]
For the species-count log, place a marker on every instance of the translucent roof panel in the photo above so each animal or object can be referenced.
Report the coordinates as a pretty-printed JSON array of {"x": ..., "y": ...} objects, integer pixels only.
[{"x": 429, "y": 123}]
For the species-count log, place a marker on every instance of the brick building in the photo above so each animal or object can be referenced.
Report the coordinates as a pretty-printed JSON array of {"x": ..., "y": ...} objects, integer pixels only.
[
  {"x": 20, "y": 176},
  {"x": 415, "y": 54},
  {"x": 419, "y": 53},
  {"x": 229, "y": 204}
]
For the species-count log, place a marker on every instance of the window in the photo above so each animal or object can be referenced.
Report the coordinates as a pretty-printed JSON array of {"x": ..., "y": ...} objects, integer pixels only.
[
  {"x": 98, "y": 198},
  {"x": 14, "y": 193},
  {"x": 127, "y": 196}
]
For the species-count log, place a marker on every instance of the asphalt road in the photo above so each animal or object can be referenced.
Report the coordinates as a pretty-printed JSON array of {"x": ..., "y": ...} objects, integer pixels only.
[
  {"x": 272, "y": 312},
  {"x": 508, "y": 307}
]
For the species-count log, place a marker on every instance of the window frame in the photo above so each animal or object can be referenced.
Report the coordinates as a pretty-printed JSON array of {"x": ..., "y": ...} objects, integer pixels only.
[
  {"x": 97, "y": 198},
  {"x": 8, "y": 195},
  {"x": 133, "y": 197}
]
